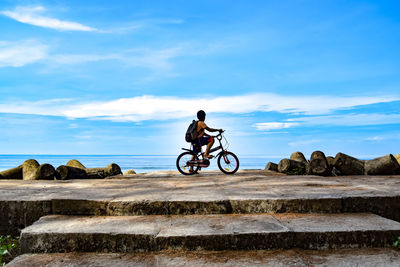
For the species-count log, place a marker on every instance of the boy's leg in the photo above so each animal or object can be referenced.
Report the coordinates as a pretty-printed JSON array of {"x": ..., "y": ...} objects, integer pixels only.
[
  {"x": 209, "y": 145},
  {"x": 191, "y": 167},
  {"x": 195, "y": 151}
]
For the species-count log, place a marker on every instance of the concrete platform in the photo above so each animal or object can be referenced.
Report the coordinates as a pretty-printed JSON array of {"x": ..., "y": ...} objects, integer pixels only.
[
  {"x": 248, "y": 191},
  {"x": 59, "y": 233},
  {"x": 341, "y": 257}
]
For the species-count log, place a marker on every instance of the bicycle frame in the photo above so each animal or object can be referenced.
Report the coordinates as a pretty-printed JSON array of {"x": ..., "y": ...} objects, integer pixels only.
[{"x": 201, "y": 153}]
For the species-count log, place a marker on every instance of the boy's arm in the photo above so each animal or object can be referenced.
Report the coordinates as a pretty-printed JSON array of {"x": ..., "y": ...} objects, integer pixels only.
[{"x": 213, "y": 130}]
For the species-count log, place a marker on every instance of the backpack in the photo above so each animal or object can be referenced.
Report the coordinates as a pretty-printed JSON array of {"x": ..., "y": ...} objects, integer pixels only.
[{"x": 191, "y": 133}]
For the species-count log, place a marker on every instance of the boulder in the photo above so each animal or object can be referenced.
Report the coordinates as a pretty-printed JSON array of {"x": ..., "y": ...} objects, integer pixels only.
[
  {"x": 99, "y": 173},
  {"x": 330, "y": 160},
  {"x": 14, "y": 173},
  {"x": 45, "y": 172},
  {"x": 271, "y": 167},
  {"x": 385, "y": 165},
  {"x": 128, "y": 172},
  {"x": 76, "y": 163},
  {"x": 298, "y": 156},
  {"x": 397, "y": 157},
  {"x": 95, "y": 173},
  {"x": 348, "y": 165},
  {"x": 318, "y": 164},
  {"x": 68, "y": 172},
  {"x": 289, "y": 166},
  {"x": 29, "y": 168}
]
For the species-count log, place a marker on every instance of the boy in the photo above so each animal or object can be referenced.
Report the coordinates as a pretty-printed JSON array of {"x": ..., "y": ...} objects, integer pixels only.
[{"x": 202, "y": 137}]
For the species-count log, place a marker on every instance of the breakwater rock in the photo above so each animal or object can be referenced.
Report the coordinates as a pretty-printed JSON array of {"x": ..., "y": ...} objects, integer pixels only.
[
  {"x": 32, "y": 170},
  {"x": 341, "y": 164}
]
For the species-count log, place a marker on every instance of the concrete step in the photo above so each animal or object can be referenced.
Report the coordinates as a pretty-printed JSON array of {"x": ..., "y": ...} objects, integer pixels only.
[
  {"x": 60, "y": 233},
  {"x": 24, "y": 202},
  {"x": 16, "y": 215},
  {"x": 297, "y": 257}
]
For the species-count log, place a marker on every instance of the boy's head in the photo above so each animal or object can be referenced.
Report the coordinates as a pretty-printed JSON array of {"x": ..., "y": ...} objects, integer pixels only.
[{"x": 201, "y": 115}]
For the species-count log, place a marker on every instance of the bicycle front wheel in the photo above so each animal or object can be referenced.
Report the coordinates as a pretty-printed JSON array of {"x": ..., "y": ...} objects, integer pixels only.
[
  {"x": 228, "y": 163},
  {"x": 182, "y": 163}
]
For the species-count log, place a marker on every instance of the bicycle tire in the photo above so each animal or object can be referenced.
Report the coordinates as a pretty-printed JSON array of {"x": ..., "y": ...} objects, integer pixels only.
[
  {"x": 182, "y": 168},
  {"x": 225, "y": 169}
]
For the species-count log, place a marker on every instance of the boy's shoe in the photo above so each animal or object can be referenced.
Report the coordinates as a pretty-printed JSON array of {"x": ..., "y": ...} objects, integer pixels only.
[{"x": 208, "y": 156}]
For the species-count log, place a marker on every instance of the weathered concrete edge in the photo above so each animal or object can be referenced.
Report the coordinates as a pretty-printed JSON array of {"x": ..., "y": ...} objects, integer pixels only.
[
  {"x": 296, "y": 257},
  {"x": 15, "y": 215},
  {"x": 284, "y": 238}
]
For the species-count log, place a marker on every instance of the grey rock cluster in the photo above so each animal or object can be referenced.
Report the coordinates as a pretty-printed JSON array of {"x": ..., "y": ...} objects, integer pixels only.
[
  {"x": 341, "y": 164},
  {"x": 32, "y": 170}
]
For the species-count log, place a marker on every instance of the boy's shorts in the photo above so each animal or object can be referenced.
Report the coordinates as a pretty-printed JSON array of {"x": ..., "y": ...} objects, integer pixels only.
[{"x": 202, "y": 141}]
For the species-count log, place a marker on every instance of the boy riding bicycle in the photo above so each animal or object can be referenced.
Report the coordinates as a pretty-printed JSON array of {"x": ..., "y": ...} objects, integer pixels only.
[
  {"x": 189, "y": 161},
  {"x": 202, "y": 137}
]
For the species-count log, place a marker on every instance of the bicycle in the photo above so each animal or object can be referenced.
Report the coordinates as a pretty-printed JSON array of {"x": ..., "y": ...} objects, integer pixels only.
[{"x": 188, "y": 162}]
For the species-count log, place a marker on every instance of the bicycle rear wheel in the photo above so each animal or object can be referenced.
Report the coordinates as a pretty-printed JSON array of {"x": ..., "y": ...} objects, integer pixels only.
[
  {"x": 228, "y": 163},
  {"x": 182, "y": 163}
]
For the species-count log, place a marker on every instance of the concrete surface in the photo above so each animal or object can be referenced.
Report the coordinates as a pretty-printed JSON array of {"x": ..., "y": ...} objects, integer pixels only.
[
  {"x": 248, "y": 191},
  {"x": 342, "y": 257},
  {"x": 60, "y": 233}
]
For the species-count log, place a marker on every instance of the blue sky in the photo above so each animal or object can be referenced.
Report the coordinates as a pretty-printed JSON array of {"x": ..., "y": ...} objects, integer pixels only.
[{"x": 127, "y": 77}]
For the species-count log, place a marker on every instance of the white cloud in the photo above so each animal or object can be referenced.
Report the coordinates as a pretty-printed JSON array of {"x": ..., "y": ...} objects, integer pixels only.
[
  {"x": 18, "y": 54},
  {"x": 75, "y": 59},
  {"x": 305, "y": 143},
  {"x": 131, "y": 26},
  {"x": 266, "y": 126},
  {"x": 349, "y": 119},
  {"x": 31, "y": 15},
  {"x": 149, "y": 107},
  {"x": 156, "y": 59},
  {"x": 333, "y": 120},
  {"x": 374, "y": 138}
]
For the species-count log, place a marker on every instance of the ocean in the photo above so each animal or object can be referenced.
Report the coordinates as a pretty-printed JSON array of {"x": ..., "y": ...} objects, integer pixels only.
[{"x": 139, "y": 163}]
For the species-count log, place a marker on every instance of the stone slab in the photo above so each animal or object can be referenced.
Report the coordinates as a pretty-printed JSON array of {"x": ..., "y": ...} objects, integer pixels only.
[
  {"x": 341, "y": 257},
  {"x": 60, "y": 233},
  {"x": 248, "y": 191}
]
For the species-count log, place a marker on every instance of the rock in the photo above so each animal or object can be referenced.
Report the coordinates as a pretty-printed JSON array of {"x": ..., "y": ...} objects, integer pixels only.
[
  {"x": 99, "y": 173},
  {"x": 68, "y": 172},
  {"x": 271, "y": 167},
  {"x": 14, "y": 173},
  {"x": 113, "y": 169},
  {"x": 288, "y": 166},
  {"x": 330, "y": 160},
  {"x": 318, "y": 164},
  {"x": 76, "y": 163},
  {"x": 397, "y": 157},
  {"x": 96, "y": 173},
  {"x": 128, "y": 172},
  {"x": 348, "y": 165},
  {"x": 298, "y": 156},
  {"x": 336, "y": 172},
  {"x": 385, "y": 165},
  {"x": 29, "y": 168},
  {"x": 45, "y": 172}
]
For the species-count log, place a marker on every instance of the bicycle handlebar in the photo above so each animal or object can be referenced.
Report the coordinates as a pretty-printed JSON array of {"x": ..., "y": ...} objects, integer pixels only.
[{"x": 219, "y": 135}]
